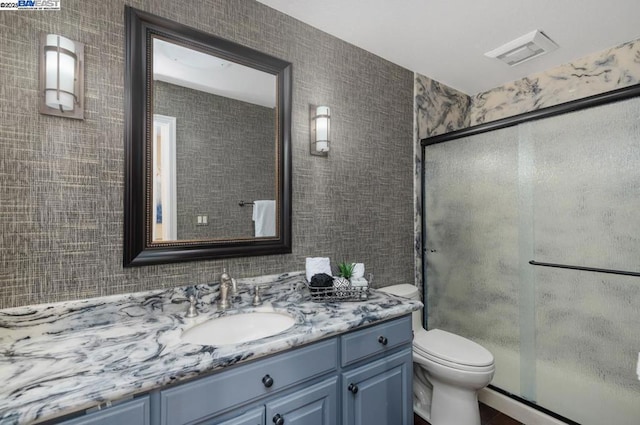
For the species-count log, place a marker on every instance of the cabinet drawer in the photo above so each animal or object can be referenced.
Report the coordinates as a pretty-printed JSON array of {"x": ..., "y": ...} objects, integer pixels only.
[
  {"x": 374, "y": 340},
  {"x": 134, "y": 412},
  {"x": 208, "y": 396}
]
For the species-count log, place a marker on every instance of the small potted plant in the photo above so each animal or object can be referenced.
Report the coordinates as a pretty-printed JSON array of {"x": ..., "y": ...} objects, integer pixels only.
[
  {"x": 346, "y": 270},
  {"x": 341, "y": 283}
]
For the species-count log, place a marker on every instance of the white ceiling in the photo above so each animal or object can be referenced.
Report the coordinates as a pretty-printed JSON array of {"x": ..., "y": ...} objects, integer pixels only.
[
  {"x": 446, "y": 39},
  {"x": 182, "y": 66}
]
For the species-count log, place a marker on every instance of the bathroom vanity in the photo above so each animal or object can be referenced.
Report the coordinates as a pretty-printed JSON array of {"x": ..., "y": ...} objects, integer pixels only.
[{"x": 346, "y": 363}]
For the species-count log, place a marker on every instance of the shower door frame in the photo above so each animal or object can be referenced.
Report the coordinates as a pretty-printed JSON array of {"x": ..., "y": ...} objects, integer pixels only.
[{"x": 538, "y": 114}]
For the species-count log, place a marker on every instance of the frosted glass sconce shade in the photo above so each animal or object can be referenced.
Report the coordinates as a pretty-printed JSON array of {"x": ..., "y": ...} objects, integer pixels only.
[
  {"x": 61, "y": 77},
  {"x": 320, "y": 134}
]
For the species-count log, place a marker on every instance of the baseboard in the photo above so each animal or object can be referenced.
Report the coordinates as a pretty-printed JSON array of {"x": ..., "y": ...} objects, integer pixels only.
[{"x": 518, "y": 411}]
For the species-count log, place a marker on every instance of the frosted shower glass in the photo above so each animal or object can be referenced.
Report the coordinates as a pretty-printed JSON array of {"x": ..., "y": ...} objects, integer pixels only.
[
  {"x": 471, "y": 219},
  {"x": 587, "y": 343},
  {"x": 562, "y": 190},
  {"x": 587, "y": 212},
  {"x": 587, "y": 187}
]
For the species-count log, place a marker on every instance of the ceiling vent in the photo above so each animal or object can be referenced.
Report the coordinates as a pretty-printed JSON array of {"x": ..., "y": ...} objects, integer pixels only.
[{"x": 523, "y": 48}]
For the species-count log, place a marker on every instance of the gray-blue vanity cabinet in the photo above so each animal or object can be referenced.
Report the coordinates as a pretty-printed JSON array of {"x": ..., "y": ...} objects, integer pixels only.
[
  {"x": 132, "y": 412},
  {"x": 379, "y": 392}
]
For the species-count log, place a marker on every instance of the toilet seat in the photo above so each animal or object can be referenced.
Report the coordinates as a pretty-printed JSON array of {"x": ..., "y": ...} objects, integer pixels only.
[{"x": 452, "y": 351}]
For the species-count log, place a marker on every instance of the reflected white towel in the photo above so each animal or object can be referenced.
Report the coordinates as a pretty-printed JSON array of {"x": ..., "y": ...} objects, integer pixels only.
[
  {"x": 264, "y": 217},
  {"x": 317, "y": 265}
]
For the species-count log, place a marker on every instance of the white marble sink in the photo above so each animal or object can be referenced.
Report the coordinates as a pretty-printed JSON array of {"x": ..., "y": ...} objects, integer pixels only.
[{"x": 238, "y": 328}]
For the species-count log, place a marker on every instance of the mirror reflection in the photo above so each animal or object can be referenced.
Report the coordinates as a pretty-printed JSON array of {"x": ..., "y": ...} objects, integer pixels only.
[{"x": 213, "y": 149}]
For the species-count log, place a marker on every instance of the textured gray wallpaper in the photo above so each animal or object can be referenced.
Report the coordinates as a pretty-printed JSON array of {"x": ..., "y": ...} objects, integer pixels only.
[
  {"x": 225, "y": 152},
  {"x": 61, "y": 180}
]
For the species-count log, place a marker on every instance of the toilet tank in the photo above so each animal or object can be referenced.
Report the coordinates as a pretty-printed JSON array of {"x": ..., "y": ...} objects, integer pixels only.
[{"x": 408, "y": 291}]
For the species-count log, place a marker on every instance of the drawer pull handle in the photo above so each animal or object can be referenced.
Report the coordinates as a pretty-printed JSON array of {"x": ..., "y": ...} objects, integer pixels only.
[
  {"x": 267, "y": 381},
  {"x": 383, "y": 340},
  {"x": 278, "y": 419},
  {"x": 353, "y": 388}
]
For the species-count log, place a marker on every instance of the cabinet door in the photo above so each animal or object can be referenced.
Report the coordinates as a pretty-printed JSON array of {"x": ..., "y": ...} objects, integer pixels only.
[
  {"x": 316, "y": 405},
  {"x": 134, "y": 412},
  {"x": 379, "y": 393},
  {"x": 252, "y": 417}
]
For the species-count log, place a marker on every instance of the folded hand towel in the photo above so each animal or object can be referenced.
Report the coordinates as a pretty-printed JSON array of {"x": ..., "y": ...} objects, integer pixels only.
[
  {"x": 359, "y": 282},
  {"x": 315, "y": 265},
  {"x": 358, "y": 270}
]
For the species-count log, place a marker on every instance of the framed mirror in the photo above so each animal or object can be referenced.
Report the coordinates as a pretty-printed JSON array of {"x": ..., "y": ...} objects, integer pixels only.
[{"x": 207, "y": 146}]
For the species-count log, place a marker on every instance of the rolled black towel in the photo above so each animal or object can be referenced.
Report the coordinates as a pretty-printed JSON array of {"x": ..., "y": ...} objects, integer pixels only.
[{"x": 321, "y": 280}]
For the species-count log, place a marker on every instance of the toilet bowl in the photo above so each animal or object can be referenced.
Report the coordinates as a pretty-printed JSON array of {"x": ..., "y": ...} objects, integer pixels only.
[{"x": 448, "y": 371}]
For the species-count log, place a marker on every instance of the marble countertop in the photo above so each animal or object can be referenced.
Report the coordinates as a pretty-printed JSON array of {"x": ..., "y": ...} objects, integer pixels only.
[{"x": 56, "y": 359}]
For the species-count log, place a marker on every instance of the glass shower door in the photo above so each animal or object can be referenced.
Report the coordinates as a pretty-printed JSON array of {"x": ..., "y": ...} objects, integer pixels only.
[
  {"x": 587, "y": 213},
  {"x": 471, "y": 268},
  {"x": 563, "y": 190}
]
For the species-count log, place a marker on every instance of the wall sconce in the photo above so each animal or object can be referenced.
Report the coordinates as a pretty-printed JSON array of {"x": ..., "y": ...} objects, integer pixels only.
[
  {"x": 61, "y": 77},
  {"x": 320, "y": 134}
]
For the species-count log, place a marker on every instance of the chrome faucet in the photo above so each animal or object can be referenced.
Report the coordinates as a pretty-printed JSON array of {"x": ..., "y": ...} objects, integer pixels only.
[
  {"x": 225, "y": 283},
  {"x": 257, "y": 300},
  {"x": 192, "y": 310}
]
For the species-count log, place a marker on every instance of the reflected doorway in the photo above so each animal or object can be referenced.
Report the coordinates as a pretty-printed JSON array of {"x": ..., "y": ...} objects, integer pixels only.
[{"x": 164, "y": 178}]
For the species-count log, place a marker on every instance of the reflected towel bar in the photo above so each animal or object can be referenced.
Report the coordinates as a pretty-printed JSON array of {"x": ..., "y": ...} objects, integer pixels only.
[
  {"x": 243, "y": 203},
  {"x": 586, "y": 269}
]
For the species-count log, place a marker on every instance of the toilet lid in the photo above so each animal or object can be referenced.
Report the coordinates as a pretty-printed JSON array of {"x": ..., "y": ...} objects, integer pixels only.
[{"x": 452, "y": 348}]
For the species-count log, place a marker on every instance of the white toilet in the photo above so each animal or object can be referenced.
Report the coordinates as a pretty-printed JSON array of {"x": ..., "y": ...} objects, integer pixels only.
[{"x": 448, "y": 371}]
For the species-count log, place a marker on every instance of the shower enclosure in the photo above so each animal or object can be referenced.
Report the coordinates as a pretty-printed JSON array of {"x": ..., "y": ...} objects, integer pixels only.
[{"x": 506, "y": 207}]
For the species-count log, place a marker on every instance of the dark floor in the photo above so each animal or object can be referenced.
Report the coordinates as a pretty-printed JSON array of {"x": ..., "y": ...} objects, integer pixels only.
[{"x": 488, "y": 416}]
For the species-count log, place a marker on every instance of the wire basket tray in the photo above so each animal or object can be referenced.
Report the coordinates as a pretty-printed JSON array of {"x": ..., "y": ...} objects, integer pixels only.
[{"x": 358, "y": 293}]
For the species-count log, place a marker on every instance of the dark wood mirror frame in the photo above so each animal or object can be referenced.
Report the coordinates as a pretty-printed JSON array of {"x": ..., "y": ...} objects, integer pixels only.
[{"x": 138, "y": 247}]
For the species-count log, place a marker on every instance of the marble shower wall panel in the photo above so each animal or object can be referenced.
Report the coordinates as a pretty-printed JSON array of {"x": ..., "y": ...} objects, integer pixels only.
[
  {"x": 593, "y": 74},
  {"x": 61, "y": 181},
  {"x": 472, "y": 229},
  {"x": 439, "y": 108}
]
